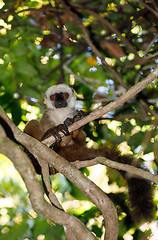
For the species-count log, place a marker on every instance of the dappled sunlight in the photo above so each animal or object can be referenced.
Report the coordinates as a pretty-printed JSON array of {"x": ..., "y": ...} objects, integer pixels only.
[
  {"x": 98, "y": 176},
  {"x": 11, "y": 183},
  {"x": 128, "y": 235},
  {"x": 102, "y": 49},
  {"x": 154, "y": 229},
  {"x": 32, "y": 111},
  {"x": 76, "y": 206},
  {"x": 8, "y": 172}
]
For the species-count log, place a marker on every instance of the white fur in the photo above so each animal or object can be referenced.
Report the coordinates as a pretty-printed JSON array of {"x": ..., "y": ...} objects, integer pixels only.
[
  {"x": 58, "y": 115},
  {"x": 57, "y": 89}
]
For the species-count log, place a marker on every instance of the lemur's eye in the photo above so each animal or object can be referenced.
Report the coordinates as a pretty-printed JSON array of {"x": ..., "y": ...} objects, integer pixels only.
[
  {"x": 66, "y": 95},
  {"x": 52, "y": 97}
]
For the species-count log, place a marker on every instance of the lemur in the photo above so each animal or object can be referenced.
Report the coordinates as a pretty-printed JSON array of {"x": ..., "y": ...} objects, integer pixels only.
[{"x": 59, "y": 114}]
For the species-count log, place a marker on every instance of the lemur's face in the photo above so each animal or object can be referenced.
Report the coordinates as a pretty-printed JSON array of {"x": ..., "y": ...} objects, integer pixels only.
[{"x": 60, "y": 96}]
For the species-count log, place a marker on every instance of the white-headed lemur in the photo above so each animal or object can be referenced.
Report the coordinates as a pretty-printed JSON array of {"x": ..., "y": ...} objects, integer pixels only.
[{"x": 60, "y": 113}]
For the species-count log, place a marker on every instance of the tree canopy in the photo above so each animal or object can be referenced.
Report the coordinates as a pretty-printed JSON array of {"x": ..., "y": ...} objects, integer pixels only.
[{"x": 101, "y": 49}]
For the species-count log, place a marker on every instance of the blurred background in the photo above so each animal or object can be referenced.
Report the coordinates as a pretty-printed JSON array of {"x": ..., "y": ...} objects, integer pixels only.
[{"x": 101, "y": 49}]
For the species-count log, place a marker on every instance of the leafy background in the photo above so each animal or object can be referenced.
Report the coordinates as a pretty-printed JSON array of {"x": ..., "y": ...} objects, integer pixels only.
[{"x": 41, "y": 44}]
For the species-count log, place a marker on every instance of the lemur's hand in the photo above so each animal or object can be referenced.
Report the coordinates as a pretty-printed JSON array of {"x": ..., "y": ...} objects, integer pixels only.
[
  {"x": 80, "y": 114},
  {"x": 56, "y": 132},
  {"x": 64, "y": 127},
  {"x": 68, "y": 121}
]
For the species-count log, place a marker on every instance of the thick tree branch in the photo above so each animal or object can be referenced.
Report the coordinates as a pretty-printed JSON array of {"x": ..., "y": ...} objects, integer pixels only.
[
  {"x": 52, "y": 197},
  {"x": 26, "y": 170},
  {"x": 90, "y": 190}
]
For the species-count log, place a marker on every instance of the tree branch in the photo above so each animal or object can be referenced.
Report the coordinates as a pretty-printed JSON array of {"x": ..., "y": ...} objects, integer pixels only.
[
  {"x": 150, "y": 9},
  {"x": 106, "y": 23},
  {"x": 95, "y": 50},
  {"x": 119, "y": 166},
  {"x": 26, "y": 170},
  {"x": 76, "y": 177},
  {"x": 133, "y": 91},
  {"x": 89, "y": 42},
  {"x": 52, "y": 197},
  {"x": 90, "y": 190}
]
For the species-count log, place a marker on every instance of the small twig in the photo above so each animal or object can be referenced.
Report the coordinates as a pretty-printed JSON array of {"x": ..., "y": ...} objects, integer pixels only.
[
  {"x": 150, "y": 45},
  {"x": 146, "y": 107},
  {"x": 45, "y": 175},
  {"x": 150, "y": 9},
  {"x": 106, "y": 23},
  {"x": 58, "y": 66},
  {"x": 67, "y": 69},
  {"x": 155, "y": 5},
  {"x": 89, "y": 42},
  {"x": 152, "y": 56},
  {"x": 119, "y": 166}
]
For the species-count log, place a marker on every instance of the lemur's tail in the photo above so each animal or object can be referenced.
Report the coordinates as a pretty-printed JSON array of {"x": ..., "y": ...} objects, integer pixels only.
[{"x": 140, "y": 190}]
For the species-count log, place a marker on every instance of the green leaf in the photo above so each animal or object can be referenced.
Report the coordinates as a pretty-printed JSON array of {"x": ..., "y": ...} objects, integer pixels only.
[
  {"x": 25, "y": 68},
  {"x": 136, "y": 139},
  {"x": 35, "y": 81},
  {"x": 17, "y": 232},
  {"x": 20, "y": 49},
  {"x": 6, "y": 99},
  {"x": 53, "y": 232},
  {"x": 28, "y": 91},
  {"x": 77, "y": 194},
  {"x": 16, "y": 112},
  {"x": 97, "y": 230}
]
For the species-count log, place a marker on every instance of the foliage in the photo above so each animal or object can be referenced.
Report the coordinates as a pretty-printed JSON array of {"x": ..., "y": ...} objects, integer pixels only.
[{"x": 42, "y": 44}]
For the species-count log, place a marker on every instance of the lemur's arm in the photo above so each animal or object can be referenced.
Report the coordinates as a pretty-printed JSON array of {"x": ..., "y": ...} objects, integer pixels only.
[{"x": 34, "y": 129}]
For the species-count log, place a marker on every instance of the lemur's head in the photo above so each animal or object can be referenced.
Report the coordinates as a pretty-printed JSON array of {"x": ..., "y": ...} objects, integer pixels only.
[{"x": 60, "y": 96}]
